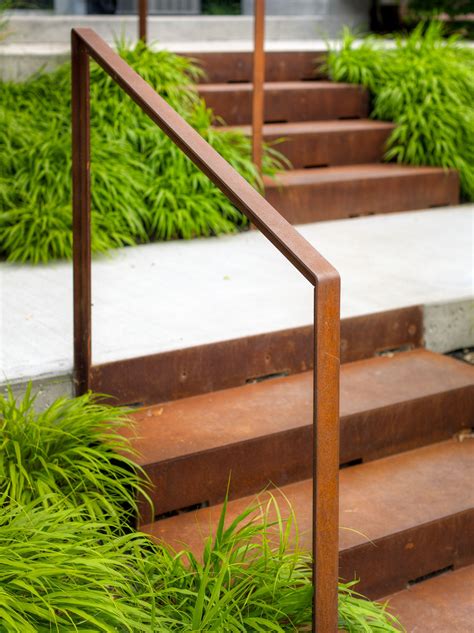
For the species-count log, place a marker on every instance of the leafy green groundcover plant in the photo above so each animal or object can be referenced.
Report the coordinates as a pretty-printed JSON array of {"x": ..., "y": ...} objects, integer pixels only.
[
  {"x": 64, "y": 565},
  {"x": 424, "y": 84},
  {"x": 143, "y": 187},
  {"x": 70, "y": 455}
]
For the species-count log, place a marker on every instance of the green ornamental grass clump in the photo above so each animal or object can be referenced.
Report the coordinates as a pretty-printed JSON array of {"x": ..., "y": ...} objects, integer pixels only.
[
  {"x": 66, "y": 565},
  {"x": 425, "y": 85},
  {"x": 70, "y": 455},
  {"x": 143, "y": 187},
  {"x": 61, "y": 571}
]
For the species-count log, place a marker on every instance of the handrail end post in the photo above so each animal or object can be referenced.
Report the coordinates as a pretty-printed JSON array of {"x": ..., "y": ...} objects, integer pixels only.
[
  {"x": 326, "y": 453},
  {"x": 81, "y": 203}
]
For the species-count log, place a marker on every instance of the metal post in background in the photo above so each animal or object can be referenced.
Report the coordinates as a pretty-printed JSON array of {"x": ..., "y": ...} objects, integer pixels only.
[
  {"x": 258, "y": 83},
  {"x": 142, "y": 20}
]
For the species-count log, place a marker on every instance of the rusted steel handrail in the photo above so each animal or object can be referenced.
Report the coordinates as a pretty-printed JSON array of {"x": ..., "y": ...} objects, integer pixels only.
[
  {"x": 325, "y": 279},
  {"x": 142, "y": 20},
  {"x": 258, "y": 82}
]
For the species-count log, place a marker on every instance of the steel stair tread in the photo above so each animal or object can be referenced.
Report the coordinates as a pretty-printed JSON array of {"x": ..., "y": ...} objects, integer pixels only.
[
  {"x": 308, "y": 127},
  {"x": 280, "y": 65},
  {"x": 401, "y": 517},
  {"x": 442, "y": 603},
  {"x": 377, "y": 499},
  {"x": 371, "y": 171},
  {"x": 287, "y": 101},
  {"x": 262, "y": 433},
  {"x": 341, "y": 191},
  {"x": 277, "y": 85},
  {"x": 209, "y": 421}
]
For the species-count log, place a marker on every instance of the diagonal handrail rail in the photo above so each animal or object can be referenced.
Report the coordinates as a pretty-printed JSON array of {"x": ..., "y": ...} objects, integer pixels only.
[{"x": 86, "y": 44}]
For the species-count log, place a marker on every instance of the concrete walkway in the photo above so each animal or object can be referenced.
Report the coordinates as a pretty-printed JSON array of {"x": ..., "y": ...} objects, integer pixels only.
[{"x": 165, "y": 296}]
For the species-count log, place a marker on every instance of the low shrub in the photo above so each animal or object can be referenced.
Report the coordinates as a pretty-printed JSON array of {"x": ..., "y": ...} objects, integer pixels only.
[
  {"x": 424, "y": 84},
  {"x": 61, "y": 572},
  {"x": 143, "y": 187},
  {"x": 71, "y": 455}
]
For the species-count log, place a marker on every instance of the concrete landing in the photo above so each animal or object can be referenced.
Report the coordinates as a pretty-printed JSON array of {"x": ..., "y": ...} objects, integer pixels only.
[
  {"x": 19, "y": 59},
  {"x": 44, "y": 27},
  {"x": 166, "y": 296}
]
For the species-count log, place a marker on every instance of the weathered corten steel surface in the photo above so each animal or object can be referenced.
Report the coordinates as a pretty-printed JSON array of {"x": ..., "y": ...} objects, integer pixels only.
[
  {"x": 370, "y": 334},
  {"x": 310, "y": 195},
  {"x": 317, "y": 270},
  {"x": 261, "y": 433},
  {"x": 287, "y": 101},
  {"x": 441, "y": 604},
  {"x": 237, "y": 67},
  {"x": 204, "y": 368},
  {"x": 401, "y": 517},
  {"x": 327, "y": 143}
]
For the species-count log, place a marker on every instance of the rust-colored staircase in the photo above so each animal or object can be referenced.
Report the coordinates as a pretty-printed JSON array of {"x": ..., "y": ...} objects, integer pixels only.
[
  {"x": 406, "y": 481},
  {"x": 335, "y": 150},
  {"x": 406, "y": 448},
  {"x": 243, "y": 408}
]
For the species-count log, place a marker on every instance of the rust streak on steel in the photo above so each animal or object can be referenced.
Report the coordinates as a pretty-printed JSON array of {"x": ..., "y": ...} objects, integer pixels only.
[
  {"x": 317, "y": 270},
  {"x": 81, "y": 213},
  {"x": 142, "y": 20},
  {"x": 258, "y": 83}
]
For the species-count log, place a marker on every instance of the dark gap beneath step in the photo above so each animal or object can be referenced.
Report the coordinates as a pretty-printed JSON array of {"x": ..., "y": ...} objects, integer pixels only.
[
  {"x": 134, "y": 405},
  {"x": 432, "y": 574},
  {"x": 185, "y": 510},
  {"x": 270, "y": 121},
  {"x": 354, "y": 215},
  {"x": 320, "y": 166},
  {"x": 465, "y": 354},
  {"x": 348, "y": 118},
  {"x": 394, "y": 350},
  {"x": 352, "y": 462},
  {"x": 281, "y": 374},
  {"x": 439, "y": 206},
  {"x": 238, "y": 81}
]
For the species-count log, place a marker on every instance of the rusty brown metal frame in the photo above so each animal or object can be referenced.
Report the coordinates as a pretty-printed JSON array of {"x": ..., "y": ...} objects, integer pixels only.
[
  {"x": 320, "y": 273},
  {"x": 258, "y": 82}
]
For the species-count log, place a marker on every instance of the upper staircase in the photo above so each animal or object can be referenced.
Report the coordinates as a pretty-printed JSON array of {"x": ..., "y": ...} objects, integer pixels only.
[{"x": 334, "y": 148}]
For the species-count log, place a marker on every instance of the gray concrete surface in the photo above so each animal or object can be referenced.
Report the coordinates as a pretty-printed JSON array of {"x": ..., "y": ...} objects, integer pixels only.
[
  {"x": 449, "y": 326},
  {"x": 165, "y": 296},
  {"x": 55, "y": 29},
  {"x": 347, "y": 10}
]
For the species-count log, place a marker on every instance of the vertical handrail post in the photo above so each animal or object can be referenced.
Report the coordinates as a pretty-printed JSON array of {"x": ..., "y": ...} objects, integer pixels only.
[
  {"x": 326, "y": 455},
  {"x": 81, "y": 200},
  {"x": 142, "y": 20},
  {"x": 258, "y": 82}
]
